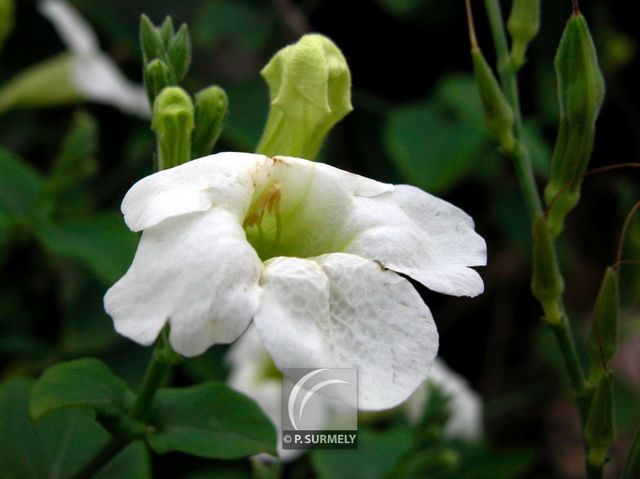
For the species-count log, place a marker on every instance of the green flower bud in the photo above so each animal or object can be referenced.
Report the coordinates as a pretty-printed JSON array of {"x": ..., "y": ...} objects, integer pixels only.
[
  {"x": 7, "y": 17},
  {"x": 581, "y": 93},
  {"x": 523, "y": 25},
  {"x": 32, "y": 87},
  {"x": 547, "y": 284},
  {"x": 599, "y": 431},
  {"x": 211, "y": 111},
  {"x": 150, "y": 40},
  {"x": 310, "y": 88},
  {"x": 603, "y": 340},
  {"x": 167, "y": 31},
  {"x": 179, "y": 52},
  {"x": 173, "y": 122},
  {"x": 497, "y": 111},
  {"x": 157, "y": 76}
]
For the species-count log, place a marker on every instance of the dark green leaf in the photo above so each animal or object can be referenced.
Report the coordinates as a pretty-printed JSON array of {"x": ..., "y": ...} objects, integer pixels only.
[
  {"x": 480, "y": 462},
  {"x": 20, "y": 185},
  {"x": 210, "y": 420},
  {"x": 102, "y": 243},
  {"x": 56, "y": 447},
  {"x": 81, "y": 383},
  {"x": 377, "y": 454},
  {"x": 225, "y": 20},
  {"x": 430, "y": 149},
  {"x": 132, "y": 462},
  {"x": 75, "y": 161}
]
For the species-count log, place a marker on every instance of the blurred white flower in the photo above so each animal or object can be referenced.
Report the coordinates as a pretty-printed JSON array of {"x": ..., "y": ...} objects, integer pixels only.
[
  {"x": 93, "y": 73},
  {"x": 309, "y": 252},
  {"x": 464, "y": 404}
]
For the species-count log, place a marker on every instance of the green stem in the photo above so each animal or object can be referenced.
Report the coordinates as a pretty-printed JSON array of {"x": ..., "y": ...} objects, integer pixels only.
[
  {"x": 153, "y": 378},
  {"x": 565, "y": 340},
  {"x": 524, "y": 173},
  {"x": 509, "y": 81},
  {"x": 505, "y": 69},
  {"x": 101, "y": 459}
]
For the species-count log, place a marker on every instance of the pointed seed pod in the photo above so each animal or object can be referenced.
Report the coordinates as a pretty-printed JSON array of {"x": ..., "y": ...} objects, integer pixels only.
[
  {"x": 497, "y": 111},
  {"x": 603, "y": 340},
  {"x": 580, "y": 93},
  {"x": 523, "y": 26},
  {"x": 599, "y": 431}
]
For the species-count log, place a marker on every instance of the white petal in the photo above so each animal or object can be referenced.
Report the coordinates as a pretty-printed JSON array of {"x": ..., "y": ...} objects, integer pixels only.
[
  {"x": 250, "y": 363},
  {"x": 100, "y": 80},
  {"x": 224, "y": 180},
  {"x": 464, "y": 404},
  {"x": 74, "y": 31},
  {"x": 424, "y": 237},
  {"x": 198, "y": 273},
  {"x": 341, "y": 310}
]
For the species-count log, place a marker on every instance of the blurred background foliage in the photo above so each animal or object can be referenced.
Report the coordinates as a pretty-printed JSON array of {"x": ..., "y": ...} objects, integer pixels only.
[{"x": 417, "y": 120}]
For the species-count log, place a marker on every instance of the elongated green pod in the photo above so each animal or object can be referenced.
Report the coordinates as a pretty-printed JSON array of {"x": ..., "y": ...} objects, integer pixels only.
[
  {"x": 547, "y": 284},
  {"x": 581, "y": 92},
  {"x": 179, "y": 52},
  {"x": 599, "y": 431},
  {"x": 150, "y": 40},
  {"x": 523, "y": 26},
  {"x": 603, "y": 340},
  {"x": 498, "y": 113}
]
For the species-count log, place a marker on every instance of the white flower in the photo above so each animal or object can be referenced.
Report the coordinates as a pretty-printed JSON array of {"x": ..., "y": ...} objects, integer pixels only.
[
  {"x": 92, "y": 72},
  {"x": 253, "y": 373},
  {"x": 309, "y": 252},
  {"x": 464, "y": 404}
]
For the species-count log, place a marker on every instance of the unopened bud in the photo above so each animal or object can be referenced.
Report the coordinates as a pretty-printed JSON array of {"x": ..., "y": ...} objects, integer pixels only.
[
  {"x": 157, "y": 76},
  {"x": 497, "y": 111},
  {"x": 211, "y": 110},
  {"x": 547, "y": 284},
  {"x": 580, "y": 93},
  {"x": 179, "y": 52},
  {"x": 166, "y": 31},
  {"x": 310, "y": 88},
  {"x": 603, "y": 340},
  {"x": 523, "y": 25},
  {"x": 173, "y": 122},
  {"x": 150, "y": 40},
  {"x": 599, "y": 431}
]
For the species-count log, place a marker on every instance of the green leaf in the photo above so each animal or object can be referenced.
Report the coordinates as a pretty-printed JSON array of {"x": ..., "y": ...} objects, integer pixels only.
[
  {"x": 20, "y": 185},
  {"x": 81, "y": 383},
  {"x": 430, "y": 149},
  {"x": 377, "y": 454},
  {"x": 56, "y": 447},
  {"x": 481, "y": 462},
  {"x": 223, "y": 20},
  {"x": 75, "y": 161},
  {"x": 210, "y": 420},
  {"x": 133, "y": 461},
  {"x": 102, "y": 243}
]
